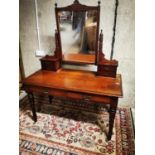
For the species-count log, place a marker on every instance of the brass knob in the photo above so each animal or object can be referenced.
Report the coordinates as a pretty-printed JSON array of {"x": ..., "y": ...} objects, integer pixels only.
[
  {"x": 86, "y": 98},
  {"x": 45, "y": 92}
]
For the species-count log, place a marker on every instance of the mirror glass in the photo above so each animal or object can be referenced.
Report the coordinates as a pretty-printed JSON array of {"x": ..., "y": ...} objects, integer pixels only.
[{"x": 78, "y": 35}]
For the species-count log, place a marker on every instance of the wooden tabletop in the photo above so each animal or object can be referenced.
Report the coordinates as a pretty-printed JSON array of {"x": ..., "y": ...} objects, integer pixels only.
[{"x": 77, "y": 81}]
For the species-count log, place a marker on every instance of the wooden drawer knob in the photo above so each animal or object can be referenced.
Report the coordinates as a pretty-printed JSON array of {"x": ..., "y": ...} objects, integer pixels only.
[
  {"x": 86, "y": 98},
  {"x": 45, "y": 92}
]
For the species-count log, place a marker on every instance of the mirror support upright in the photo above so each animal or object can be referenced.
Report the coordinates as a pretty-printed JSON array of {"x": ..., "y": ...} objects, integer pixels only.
[
  {"x": 105, "y": 67},
  {"x": 53, "y": 63}
]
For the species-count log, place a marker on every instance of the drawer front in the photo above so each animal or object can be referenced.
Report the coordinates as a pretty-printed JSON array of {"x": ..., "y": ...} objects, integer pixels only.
[
  {"x": 36, "y": 89},
  {"x": 53, "y": 92},
  {"x": 81, "y": 96},
  {"x": 109, "y": 71},
  {"x": 101, "y": 99},
  {"x": 50, "y": 65},
  {"x": 68, "y": 94}
]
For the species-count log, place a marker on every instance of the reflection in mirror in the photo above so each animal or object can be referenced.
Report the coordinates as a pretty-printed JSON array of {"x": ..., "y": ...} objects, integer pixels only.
[{"x": 78, "y": 32}]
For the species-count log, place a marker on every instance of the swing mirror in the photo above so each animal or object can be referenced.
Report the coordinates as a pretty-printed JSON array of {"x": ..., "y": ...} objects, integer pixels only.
[{"x": 78, "y": 27}]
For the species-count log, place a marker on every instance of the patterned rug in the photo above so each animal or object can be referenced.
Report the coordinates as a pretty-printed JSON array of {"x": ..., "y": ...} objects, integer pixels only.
[{"x": 73, "y": 128}]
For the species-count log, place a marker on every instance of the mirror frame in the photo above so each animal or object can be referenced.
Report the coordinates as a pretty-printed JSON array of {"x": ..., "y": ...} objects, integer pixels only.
[{"x": 77, "y": 6}]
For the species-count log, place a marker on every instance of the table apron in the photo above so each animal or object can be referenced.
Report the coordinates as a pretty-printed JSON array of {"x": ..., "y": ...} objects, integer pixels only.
[{"x": 70, "y": 94}]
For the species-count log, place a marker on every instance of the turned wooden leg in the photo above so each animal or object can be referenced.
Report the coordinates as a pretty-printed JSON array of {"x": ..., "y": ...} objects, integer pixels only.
[
  {"x": 50, "y": 98},
  {"x": 31, "y": 100},
  {"x": 112, "y": 112}
]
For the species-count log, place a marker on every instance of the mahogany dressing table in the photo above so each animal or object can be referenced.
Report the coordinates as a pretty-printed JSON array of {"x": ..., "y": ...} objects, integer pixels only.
[{"x": 103, "y": 86}]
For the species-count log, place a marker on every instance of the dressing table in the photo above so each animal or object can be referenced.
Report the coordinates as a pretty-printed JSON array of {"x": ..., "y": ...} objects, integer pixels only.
[{"x": 72, "y": 41}]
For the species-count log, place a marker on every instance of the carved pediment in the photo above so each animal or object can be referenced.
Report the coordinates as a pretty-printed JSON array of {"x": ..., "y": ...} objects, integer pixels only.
[{"x": 76, "y": 6}]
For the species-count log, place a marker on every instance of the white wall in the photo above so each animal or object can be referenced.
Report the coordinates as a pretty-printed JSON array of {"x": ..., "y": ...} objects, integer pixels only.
[{"x": 124, "y": 44}]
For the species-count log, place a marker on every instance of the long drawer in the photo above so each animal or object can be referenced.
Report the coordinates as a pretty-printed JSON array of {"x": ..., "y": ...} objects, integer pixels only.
[{"x": 68, "y": 94}]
